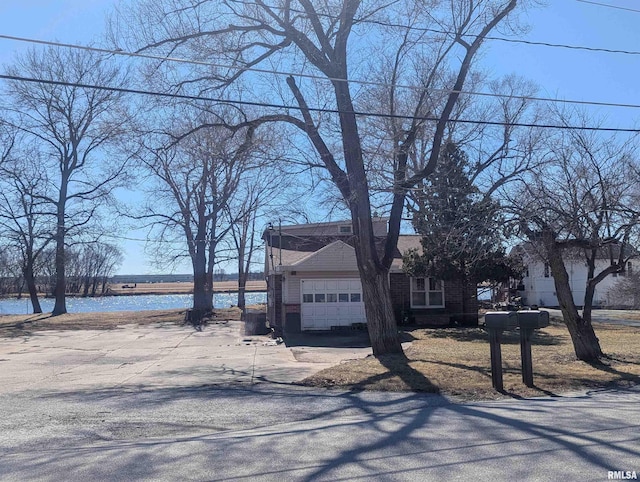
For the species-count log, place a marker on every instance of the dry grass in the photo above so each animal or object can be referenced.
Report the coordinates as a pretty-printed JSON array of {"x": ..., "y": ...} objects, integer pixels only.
[
  {"x": 181, "y": 288},
  {"x": 456, "y": 362},
  {"x": 23, "y": 325}
]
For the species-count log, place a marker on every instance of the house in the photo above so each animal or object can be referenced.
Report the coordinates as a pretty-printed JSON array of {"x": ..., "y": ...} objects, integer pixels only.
[
  {"x": 537, "y": 286},
  {"x": 313, "y": 281}
]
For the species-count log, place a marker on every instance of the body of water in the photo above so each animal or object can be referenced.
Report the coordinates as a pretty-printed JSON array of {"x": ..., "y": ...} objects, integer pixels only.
[{"x": 13, "y": 306}]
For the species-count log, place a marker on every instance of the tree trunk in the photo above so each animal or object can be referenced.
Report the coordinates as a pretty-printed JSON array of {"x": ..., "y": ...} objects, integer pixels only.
[
  {"x": 587, "y": 307},
  {"x": 211, "y": 263},
  {"x": 242, "y": 284},
  {"x": 383, "y": 331},
  {"x": 94, "y": 285},
  {"x": 85, "y": 286},
  {"x": 200, "y": 303},
  {"x": 381, "y": 322},
  {"x": 32, "y": 288},
  {"x": 585, "y": 343},
  {"x": 242, "y": 279},
  {"x": 59, "y": 291}
]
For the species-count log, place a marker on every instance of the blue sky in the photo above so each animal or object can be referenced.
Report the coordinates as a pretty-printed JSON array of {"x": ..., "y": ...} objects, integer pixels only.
[{"x": 562, "y": 73}]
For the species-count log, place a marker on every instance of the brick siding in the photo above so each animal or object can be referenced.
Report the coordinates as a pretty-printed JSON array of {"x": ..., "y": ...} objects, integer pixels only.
[{"x": 453, "y": 311}]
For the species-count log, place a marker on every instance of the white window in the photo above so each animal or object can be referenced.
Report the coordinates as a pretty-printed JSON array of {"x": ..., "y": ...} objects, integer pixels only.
[
  {"x": 344, "y": 229},
  {"x": 427, "y": 293}
]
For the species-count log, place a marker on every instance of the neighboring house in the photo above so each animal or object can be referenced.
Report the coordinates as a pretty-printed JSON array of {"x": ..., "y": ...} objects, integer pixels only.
[
  {"x": 537, "y": 286},
  {"x": 313, "y": 281}
]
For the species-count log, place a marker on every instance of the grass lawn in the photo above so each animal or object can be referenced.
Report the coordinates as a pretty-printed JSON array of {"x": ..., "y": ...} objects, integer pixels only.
[{"x": 455, "y": 362}]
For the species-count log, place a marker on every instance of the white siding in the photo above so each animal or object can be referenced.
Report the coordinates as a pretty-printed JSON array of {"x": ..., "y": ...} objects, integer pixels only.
[
  {"x": 337, "y": 256},
  {"x": 541, "y": 291}
]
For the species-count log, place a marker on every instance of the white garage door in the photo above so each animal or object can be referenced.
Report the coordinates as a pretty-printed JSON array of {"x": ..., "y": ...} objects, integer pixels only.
[{"x": 331, "y": 302}]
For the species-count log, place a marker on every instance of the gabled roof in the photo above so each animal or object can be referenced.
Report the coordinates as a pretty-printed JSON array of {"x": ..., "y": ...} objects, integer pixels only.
[
  {"x": 338, "y": 256},
  {"x": 327, "y": 229},
  {"x": 323, "y": 252}
]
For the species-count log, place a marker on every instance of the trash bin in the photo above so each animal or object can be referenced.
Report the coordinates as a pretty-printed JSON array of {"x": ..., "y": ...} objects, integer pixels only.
[{"x": 255, "y": 323}]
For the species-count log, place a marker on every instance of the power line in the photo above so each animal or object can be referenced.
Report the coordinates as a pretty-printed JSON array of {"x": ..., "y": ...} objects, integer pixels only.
[
  {"x": 311, "y": 109},
  {"x": 317, "y": 77},
  {"x": 609, "y": 6},
  {"x": 518, "y": 41},
  {"x": 488, "y": 37}
]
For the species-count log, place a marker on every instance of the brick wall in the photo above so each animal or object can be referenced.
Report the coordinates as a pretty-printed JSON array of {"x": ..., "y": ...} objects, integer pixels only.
[
  {"x": 454, "y": 310},
  {"x": 400, "y": 296},
  {"x": 292, "y": 308},
  {"x": 292, "y": 318},
  {"x": 462, "y": 302}
]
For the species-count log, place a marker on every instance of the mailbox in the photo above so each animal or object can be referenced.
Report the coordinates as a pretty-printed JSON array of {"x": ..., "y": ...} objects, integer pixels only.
[
  {"x": 501, "y": 320},
  {"x": 533, "y": 319}
]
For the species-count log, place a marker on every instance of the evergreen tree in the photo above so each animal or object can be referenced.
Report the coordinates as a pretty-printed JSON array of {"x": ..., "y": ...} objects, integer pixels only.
[{"x": 460, "y": 229}]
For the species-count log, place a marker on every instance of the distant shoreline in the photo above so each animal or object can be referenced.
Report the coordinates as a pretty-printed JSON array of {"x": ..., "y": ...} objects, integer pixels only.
[{"x": 176, "y": 288}]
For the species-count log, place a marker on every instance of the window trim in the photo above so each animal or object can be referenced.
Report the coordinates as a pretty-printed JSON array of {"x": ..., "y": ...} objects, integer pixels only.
[{"x": 426, "y": 292}]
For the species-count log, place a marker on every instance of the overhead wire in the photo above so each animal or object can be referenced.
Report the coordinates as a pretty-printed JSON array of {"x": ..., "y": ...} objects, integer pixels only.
[
  {"x": 318, "y": 77},
  {"x": 310, "y": 109},
  {"x": 446, "y": 32},
  {"x": 488, "y": 37},
  {"x": 617, "y": 7}
]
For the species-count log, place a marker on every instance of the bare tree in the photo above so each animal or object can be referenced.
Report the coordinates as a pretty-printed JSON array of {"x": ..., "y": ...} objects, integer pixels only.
[
  {"x": 89, "y": 267},
  {"x": 195, "y": 178},
  {"x": 430, "y": 46},
  {"x": 25, "y": 218},
  {"x": 72, "y": 125},
  {"x": 11, "y": 279},
  {"x": 582, "y": 205},
  {"x": 259, "y": 195}
]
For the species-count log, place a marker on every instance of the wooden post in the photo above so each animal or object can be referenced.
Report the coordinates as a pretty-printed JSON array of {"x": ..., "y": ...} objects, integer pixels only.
[
  {"x": 495, "y": 338},
  {"x": 525, "y": 356}
]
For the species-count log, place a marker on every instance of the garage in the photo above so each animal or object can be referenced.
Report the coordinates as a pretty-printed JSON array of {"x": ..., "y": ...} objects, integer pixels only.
[{"x": 331, "y": 302}]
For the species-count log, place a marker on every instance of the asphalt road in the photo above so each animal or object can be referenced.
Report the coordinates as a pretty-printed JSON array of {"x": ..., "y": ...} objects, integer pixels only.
[
  {"x": 159, "y": 404},
  {"x": 615, "y": 317}
]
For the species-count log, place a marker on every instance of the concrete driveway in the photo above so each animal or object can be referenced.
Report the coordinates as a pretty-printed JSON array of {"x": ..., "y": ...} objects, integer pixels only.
[
  {"x": 165, "y": 403},
  {"x": 157, "y": 356}
]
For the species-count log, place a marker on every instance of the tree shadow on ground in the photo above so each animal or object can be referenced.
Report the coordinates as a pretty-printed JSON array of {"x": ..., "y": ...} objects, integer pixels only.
[
  {"x": 509, "y": 337},
  {"x": 390, "y": 437},
  {"x": 398, "y": 365},
  {"x": 607, "y": 364},
  {"x": 337, "y": 339}
]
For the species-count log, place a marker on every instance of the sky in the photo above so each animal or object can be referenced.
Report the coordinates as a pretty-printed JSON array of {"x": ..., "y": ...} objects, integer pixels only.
[{"x": 563, "y": 73}]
